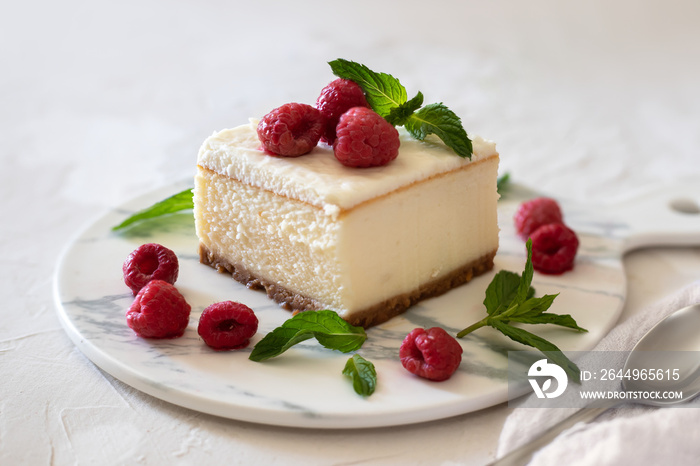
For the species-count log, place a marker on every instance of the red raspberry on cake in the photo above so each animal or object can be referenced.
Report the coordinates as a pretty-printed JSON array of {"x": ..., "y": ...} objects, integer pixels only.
[
  {"x": 291, "y": 130},
  {"x": 432, "y": 354},
  {"x": 534, "y": 213},
  {"x": 227, "y": 325},
  {"x": 554, "y": 248},
  {"x": 148, "y": 262},
  {"x": 337, "y": 98},
  {"x": 158, "y": 311},
  {"x": 365, "y": 139}
]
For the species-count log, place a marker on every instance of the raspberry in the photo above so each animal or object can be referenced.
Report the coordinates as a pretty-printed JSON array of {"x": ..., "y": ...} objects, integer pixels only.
[
  {"x": 158, "y": 311},
  {"x": 227, "y": 325},
  {"x": 148, "y": 262},
  {"x": 337, "y": 98},
  {"x": 534, "y": 213},
  {"x": 291, "y": 130},
  {"x": 432, "y": 354},
  {"x": 554, "y": 248},
  {"x": 365, "y": 139}
]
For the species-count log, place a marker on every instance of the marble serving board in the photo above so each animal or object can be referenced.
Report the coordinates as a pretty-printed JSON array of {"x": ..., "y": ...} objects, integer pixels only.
[{"x": 304, "y": 387}]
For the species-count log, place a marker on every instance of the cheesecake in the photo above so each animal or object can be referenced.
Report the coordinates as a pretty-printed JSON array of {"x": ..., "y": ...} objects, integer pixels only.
[{"x": 367, "y": 243}]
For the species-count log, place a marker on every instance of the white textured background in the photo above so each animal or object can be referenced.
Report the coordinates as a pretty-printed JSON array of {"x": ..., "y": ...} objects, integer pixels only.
[{"x": 101, "y": 101}]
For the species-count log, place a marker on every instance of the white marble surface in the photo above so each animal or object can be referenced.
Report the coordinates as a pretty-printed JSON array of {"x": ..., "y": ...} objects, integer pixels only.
[{"x": 103, "y": 101}]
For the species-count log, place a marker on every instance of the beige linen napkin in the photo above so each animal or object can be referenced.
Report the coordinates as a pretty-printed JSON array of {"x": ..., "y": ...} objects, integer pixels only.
[{"x": 629, "y": 434}]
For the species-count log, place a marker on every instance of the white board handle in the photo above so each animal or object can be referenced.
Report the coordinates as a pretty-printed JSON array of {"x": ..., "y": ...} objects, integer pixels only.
[{"x": 665, "y": 215}]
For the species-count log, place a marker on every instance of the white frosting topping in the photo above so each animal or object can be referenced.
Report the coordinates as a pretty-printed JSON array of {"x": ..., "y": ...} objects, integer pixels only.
[{"x": 318, "y": 178}]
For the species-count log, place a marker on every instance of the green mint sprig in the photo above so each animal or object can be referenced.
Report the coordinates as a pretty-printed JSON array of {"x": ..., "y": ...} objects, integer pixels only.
[
  {"x": 502, "y": 183},
  {"x": 326, "y": 326},
  {"x": 510, "y": 298},
  {"x": 362, "y": 373},
  {"x": 173, "y": 204},
  {"x": 388, "y": 97},
  {"x": 383, "y": 91}
]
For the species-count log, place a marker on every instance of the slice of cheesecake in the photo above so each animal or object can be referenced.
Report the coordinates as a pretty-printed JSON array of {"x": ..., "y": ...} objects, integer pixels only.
[{"x": 366, "y": 243}]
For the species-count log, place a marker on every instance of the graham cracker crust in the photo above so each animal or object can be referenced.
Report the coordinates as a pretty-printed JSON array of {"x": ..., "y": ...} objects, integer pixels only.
[{"x": 366, "y": 318}]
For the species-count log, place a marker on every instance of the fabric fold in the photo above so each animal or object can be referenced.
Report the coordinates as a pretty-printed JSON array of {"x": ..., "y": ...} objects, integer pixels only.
[{"x": 628, "y": 434}]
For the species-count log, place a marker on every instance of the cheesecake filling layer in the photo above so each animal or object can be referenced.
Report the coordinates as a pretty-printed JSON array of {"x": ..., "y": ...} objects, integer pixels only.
[
  {"x": 367, "y": 244},
  {"x": 373, "y": 315}
]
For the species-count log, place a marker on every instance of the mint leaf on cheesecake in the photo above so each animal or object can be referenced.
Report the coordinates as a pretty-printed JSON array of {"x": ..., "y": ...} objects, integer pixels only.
[{"x": 388, "y": 97}]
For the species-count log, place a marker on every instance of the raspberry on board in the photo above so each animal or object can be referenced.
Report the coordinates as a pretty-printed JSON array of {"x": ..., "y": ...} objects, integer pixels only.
[
  {"x": 365, "y": 139},
  {"x": 337, "y": 98},
  {"x": 291, "y": 130},
  {"x": 432, "y": 354},
  {"x": 534, "y": 213},
  {"x": 158, "y": 311},
  {"x": 554, "y": 248},
  {"x": 227, "y": 325},
  {"x": 150, "y": 261}
]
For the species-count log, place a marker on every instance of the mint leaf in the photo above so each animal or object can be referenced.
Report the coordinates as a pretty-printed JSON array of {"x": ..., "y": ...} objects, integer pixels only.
[
  {"x": 563, "y": 320},
  {"x": 383, "y": 91},
  {"x": 173, "y": 204},
  {"x": 362, "y": 373},
  {"x": 550, "y": 349},
  {"x": 532, "y": 307},
  {"x": 524, "y": 337},
  {"x": 526, "y": 278},
  {"x": 501, "y": 291},
  {"x": 508, "y": 288},
  {"x": 444, "y": 123},
  {"x": 502, "y": 183},
  {"x": 326, "y": 326},
  {"x": 399, "y": 115}
]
